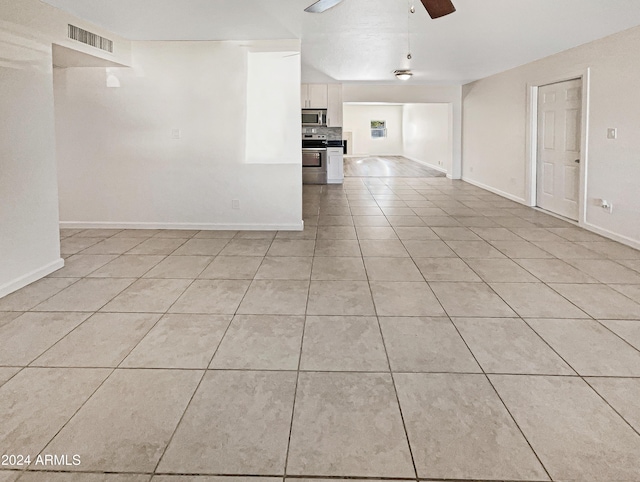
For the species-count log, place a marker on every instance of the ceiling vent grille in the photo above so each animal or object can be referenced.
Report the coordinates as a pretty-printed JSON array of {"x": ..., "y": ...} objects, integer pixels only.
[{"x": 89, "y": 38}]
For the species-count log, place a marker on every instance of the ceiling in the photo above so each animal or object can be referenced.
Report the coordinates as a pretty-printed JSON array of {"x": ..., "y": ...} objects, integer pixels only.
[{"x": 366, "y": 40}]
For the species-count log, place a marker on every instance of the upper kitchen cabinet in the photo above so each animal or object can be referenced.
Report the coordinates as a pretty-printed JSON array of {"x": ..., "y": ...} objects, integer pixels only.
[
  {"x": 314, "y": 96},
  {"x": 334, "y": 105},
  {"x": 324, "y": 96}
]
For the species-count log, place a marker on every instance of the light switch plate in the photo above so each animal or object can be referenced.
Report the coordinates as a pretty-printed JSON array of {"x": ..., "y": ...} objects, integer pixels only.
[
  {"x": 612, "y": 133},
  {"x": 176, "y": 134}
]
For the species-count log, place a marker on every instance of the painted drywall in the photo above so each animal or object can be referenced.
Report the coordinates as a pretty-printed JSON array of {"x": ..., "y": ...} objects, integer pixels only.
[
  {"x": 426, "y": 136},
  {"x": 417, "y": 131},
  {"x": 410, "y": 94},
  {"x": 273, "y": 131},
  {"x": 495, "y": 129},
  {"x": 36, "y": 20},
  {"x": 29, "y": 237},
  {"x": 120, "y": 165},
  {"x": 357, "y": 120}
]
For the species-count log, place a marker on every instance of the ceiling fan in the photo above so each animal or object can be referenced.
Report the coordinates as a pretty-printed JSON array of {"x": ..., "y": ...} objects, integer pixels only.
[{"x": 435, "y": 8}]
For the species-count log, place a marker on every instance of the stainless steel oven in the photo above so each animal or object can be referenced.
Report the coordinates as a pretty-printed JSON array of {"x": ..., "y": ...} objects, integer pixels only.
[
  {"x": 314, "y": 117},
  {"x": 314, "y": 159}
]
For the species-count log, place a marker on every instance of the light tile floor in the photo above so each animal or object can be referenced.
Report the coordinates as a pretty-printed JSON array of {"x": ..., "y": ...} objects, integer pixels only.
[{"x": 418, "y": 328}]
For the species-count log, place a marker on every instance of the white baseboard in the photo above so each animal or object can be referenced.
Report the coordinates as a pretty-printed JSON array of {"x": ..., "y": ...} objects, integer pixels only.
[
  {"x": 185, "y": 226},
  {"x": 611, "y": 235},
  {"x": 27, "y": 279},
  {"x": 432, "y": 166},
  {"x": 633, "y": 243},
  {"x": 554, "y": 215},
  {"x": 495, "y": 191}
]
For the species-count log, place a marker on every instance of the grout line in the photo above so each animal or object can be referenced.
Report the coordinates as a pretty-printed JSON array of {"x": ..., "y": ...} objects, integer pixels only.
[
  {"x": 278, "y": 476},
  {"x": 186, "y": 408},
  {"x": 20, "y": 369},
  {"x": 550, "y": 346},
  {"x": 617, "y": 335},
  {"x": 395, "y": 391},
  {"x": 114, "y": 369},
  {"x": 503, "y": 402},
  {"x": 608, "y": 285},
  {"x": 100, "y": 385},
  {"x": 204, "y": 373},
  {"x": 295, "y": 391},
  {"x": 364, "y": 372},
  {"x": 444, "y": 193},
  {"x": 393, "y": 382},
  {"x": 585, "y": 379},
  {"x": 519, "y": 428},
  {"x": 77, "y": 279},
  {"x": 301, "y": 314},
  {"x": 550, "y": 286},
  {"x": 90, "y": 315}
]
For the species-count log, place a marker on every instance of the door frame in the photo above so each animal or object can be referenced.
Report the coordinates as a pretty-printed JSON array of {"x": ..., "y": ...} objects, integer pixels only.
[{"x": 531, "y": 180}]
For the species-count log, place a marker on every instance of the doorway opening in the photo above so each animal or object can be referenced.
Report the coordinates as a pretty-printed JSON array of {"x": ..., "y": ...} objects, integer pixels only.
[
  {"x": 398, "y": 139},
  {"x": 557, "y": 146}
]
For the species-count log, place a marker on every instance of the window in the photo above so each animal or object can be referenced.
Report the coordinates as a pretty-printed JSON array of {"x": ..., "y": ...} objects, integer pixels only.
[{"x": 378, "y": 129}]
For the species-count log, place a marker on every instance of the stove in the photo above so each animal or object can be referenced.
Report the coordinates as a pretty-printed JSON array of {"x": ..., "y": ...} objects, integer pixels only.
[{"x": 314, "y": 158}]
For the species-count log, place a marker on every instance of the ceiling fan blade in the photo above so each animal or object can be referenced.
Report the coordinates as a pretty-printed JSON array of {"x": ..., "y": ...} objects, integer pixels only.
[
  {"x": 322, "y": 5},
  {"x": 438, "y": 8}
]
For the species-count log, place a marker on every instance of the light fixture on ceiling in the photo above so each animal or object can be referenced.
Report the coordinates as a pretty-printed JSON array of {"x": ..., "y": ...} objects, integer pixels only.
[{"x": 404, "y": 74}]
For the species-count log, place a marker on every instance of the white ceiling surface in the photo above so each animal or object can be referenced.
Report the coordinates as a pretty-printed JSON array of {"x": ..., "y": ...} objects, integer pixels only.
[{"x": 366, "y": 40}]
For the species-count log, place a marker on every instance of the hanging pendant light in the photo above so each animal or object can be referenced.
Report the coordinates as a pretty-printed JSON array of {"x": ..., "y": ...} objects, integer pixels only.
[{"x": 406, "y": 74}]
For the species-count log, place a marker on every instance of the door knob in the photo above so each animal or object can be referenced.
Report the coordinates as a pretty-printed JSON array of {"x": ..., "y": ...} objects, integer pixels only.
[{"x": 577, "y": 161}]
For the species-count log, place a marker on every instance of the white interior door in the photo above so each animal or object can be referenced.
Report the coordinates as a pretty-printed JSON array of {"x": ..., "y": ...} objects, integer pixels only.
[{"x": 559, "y": 131}]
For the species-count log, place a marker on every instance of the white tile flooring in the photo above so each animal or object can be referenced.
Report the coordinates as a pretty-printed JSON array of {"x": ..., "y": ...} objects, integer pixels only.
[{"x": 419, "y": 328}]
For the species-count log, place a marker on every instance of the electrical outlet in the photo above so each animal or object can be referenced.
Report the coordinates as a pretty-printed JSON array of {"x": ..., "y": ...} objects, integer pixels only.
[
  {"x": 235, "y": 204},
  {"x": 607, "y": 206},
  {"x": 612, "y": 133}
]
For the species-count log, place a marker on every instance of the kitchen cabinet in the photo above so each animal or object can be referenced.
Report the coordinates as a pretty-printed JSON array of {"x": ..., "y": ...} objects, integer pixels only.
[
  {"x": 324, "y": 96},
  {"x": 304, "y": 96},
  {"x": 314, "y": 96},
  {"x": 335, "y": 168},
  {"x": 334, "y": 105}
]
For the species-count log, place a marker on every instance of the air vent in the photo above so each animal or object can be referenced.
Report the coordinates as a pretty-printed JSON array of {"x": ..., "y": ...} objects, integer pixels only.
[{"x": 81, "y": 35}]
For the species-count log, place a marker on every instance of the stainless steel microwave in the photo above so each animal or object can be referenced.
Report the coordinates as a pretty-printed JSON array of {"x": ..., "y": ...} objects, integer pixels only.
[{"x": 314, "y": 117}]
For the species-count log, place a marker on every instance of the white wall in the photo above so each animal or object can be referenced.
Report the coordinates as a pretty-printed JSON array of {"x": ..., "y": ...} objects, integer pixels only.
[
  {"x": 421, "y": 132},
  {"x": 426, "y": 135},
  {"x": 357, "y": 120},
  {"x": 273, "y": 115},
  {"x": 427, "y": 94},
  {"x": 120, "y": 166},
  {"x": 29, "y": 238},
  {"x": 495, "y": 129}
]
